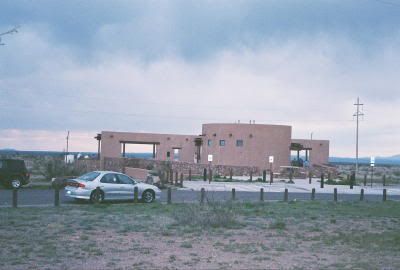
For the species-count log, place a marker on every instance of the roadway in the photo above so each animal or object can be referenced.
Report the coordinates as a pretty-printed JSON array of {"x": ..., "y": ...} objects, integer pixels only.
[{"x": 42, "y": 197}]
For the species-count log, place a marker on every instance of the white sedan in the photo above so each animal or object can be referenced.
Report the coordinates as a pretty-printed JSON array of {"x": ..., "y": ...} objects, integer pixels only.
[{"x": 98, "y": 186}]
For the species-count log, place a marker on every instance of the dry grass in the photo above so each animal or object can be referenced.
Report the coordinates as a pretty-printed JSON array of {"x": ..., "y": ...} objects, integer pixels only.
[{"x": 299, "y": 235}]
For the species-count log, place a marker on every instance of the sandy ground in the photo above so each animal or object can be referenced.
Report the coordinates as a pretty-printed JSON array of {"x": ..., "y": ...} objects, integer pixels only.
[{"x": 264, "y": 236}]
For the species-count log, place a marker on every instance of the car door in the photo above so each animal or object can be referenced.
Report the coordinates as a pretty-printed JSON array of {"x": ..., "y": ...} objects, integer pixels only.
[
  {"x": 127, "y": 186},
  {"x": 110, "y": 184}
]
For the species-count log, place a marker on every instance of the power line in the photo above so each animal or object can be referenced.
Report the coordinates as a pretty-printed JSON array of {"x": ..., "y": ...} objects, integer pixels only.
[
  {"x": 9, "y": 32},
  {"x": 387, "y": 3},
  {"x": 151, "y": 115}
]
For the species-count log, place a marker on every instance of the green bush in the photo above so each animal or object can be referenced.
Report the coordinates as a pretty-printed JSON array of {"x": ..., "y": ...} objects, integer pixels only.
[{"x": 344, "y": 182}]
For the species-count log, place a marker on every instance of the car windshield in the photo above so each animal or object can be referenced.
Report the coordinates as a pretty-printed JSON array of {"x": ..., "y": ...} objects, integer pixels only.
[{"x": 89, "y": 176}]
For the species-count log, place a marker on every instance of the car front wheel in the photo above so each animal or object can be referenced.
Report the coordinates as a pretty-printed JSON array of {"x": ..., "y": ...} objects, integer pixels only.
[
  {"x": 15, "y": 183},
  {"x": 148, "y": 196}
]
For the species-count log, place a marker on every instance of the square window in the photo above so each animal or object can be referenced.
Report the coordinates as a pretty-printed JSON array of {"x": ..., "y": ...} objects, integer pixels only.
[
  {"x": 209, "y": 142},
  {"x": 221, "y": 142},
  {"x": 239, "y": 143}
]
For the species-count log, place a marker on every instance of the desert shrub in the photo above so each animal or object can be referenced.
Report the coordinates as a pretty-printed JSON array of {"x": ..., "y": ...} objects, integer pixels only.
[
  {"x": 213, "y": 214},
  {"x": 344, "y": 182},
  {"x": 396, "y": 173},
  {"x": 149, "y": 167},
  {"x": 279, "y": 225},
  {"x": 58, "y": 168}
]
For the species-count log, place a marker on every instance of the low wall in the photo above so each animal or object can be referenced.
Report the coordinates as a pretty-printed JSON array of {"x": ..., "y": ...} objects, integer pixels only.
[
  {"x": 88, "y": 165},
  {"x": 136, "y": 173},
  {"x": 119, "y": 165},
  {"x": 182, "y": 167}
]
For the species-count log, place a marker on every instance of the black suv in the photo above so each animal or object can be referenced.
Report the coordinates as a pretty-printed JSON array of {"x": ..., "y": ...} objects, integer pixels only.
[{"x": 13, "y": 173}]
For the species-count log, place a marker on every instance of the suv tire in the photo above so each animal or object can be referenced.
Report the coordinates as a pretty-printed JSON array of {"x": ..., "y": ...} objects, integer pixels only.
[{"x": 15, "y": 183}]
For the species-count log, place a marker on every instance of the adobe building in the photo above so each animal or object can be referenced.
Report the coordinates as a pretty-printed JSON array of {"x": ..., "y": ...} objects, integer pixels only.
[{"x": 229, "y": 144}]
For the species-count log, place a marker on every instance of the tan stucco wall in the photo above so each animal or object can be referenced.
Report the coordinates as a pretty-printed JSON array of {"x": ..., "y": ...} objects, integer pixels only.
[
  {"x": 259, "y": 142},
  {"x": 320, "y": 150},
  {"x": 136, "y": 173}
]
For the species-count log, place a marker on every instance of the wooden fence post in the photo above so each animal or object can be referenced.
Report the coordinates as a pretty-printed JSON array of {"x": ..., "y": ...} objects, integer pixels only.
[
  {"x": 181, "y": 181},
  {"x": 251, "y": 176},
  {"x": 162, "y": 179},
  {"x": 205, "y": 174},
  {"x": 335, "y": 194},
  {"x": 271, "y": 177},
  {"x": 384, "y": 180},
  {"x": 176, "y": 178},
  {"x": 233, "y": 194},
  {"x": 230, "y": 173},
  {"x": 202, "y": 195},
  {"x": 171, "y": 177},
  {"x": 365, "y": 180},
  {"x": 210, "y": 176},
  {"x": 313, "y": 194},
  {"x": 190, "y": 174},
  {"x": 15, "y": 198},
  {"x": 322, "y": 180},
  {"x": 362, "y": 195},
  {"x": 262, "y": 194},
  {"x": 309, "y": 177},
  {"x": 384, "y": 195},
  {"x": 286, "y": 196},
  {"x": 167, "y": 176},
  {"x": 57, "y": 196},
  {"x": 169, "y": 196},
  {"x": 291, "y": 176},
  {"x": 352, "y": 179},
  {"x": 264, "y": 176},
  {"x": 135, "y": 194}
]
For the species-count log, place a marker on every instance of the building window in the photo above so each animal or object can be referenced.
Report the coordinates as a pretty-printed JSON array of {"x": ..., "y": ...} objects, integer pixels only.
[
  {"x": 177, "y": 154},
  {"x": 221, "y": 142},
  {"x": 209, "y": 142},
  {"x": 239, "y": 143}
]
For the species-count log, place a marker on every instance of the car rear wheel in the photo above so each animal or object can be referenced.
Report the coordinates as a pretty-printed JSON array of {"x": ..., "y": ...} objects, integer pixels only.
[
  {"x": 15, "y": 183},
  {"x": 97, "y": 196},
  {"x": 148, "y": 196}
]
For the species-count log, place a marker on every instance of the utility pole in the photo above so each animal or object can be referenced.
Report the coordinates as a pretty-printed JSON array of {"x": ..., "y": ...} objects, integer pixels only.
[
  {"x": 357, "y": 114},
  {"x": 309, "y": 154},
  {"x": 66, "y": 155}
]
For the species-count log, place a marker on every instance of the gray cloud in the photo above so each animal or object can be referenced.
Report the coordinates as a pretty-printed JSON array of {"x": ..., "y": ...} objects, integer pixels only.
[{"x": 170, "y": 67}]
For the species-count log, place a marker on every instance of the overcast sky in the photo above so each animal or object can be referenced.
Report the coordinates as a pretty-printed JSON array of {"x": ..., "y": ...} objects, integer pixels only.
[{"x": 169, "y": 66}]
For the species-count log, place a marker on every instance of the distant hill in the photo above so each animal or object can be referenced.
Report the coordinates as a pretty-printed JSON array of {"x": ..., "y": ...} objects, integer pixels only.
[
  {"x": 41, "y": 153},
  {"x": 394, "y": 160},
  {"x": 59, "y": 153}
]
